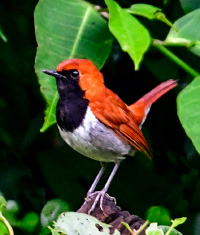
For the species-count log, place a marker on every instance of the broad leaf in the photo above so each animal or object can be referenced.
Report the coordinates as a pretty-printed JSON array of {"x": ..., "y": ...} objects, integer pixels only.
[
  {"x": 67, "y": 29},
  {"x": 73, "y": 223},
  {"x": 186, "y": 31},
  {"x": 188, "y": 102},
  {"x": 132, "y": 36}
]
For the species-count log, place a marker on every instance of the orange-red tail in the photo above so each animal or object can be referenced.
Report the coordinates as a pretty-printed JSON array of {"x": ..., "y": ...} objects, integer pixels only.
[{"x": 141, "y": 107}]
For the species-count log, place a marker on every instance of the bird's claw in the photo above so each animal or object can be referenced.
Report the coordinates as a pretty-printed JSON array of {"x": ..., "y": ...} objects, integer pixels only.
[{"x": 99, "y": 198}]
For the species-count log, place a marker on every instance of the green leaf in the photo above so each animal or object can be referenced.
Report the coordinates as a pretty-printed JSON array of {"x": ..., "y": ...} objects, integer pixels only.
[
  {"x": 186, "y": 31},
  {"x": 132, "y": 36},
  {"x": 52, "y": 210},
  {"x": 2, "y": 35},
  {"x": 144, "y": 10},
  {"x": 29, "y": 222},
  {"x": 149, "y": 11},
  {"x": 175, "y": 223},
  {"x": 154, "y": 230},
  {"x": 127, "y": 227},
  {"x": 158, "y": 214},
  {"x": 3, "y": 229},
  {"x": 189, "y": 5},
  {"x": 73, "y": 223},
  {"x": 178, "y": 221},
  {"x": 188, "y": 104},
  {"x": 53, "y": 231},
  {"x": 67, "y": 29},
  {"x": 165, "y": 229},
  {"x": 2, "y": 204}
]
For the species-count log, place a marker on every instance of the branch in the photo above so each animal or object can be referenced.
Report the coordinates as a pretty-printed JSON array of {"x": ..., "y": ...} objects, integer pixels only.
[
  {"x": 113, "y": 215},
  {"x": 175, "y": 59}
]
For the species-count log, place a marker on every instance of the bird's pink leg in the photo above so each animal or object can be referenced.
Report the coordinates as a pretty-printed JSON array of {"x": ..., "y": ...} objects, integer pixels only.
[
  {"x": 100, "y": 194},
  {"x": 94, "y": 184}
]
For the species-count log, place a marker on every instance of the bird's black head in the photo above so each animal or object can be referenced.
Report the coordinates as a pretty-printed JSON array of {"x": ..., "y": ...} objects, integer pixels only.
[{"x": 66, "y": 80}]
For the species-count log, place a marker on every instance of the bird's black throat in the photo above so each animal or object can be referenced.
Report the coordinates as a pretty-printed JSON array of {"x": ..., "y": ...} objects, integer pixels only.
[{"x": 71, "y": 106}]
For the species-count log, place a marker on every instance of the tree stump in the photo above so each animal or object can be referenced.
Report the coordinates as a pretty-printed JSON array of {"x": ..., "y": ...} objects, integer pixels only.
[{"x": 112, "y": 214}]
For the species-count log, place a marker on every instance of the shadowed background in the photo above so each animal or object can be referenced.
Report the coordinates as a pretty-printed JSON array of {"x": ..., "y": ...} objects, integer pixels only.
[{"x": 36, "y": 167}]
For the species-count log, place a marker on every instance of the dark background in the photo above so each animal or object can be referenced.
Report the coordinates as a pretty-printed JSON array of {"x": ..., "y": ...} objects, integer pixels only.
[{"x": 36, "y": 167}]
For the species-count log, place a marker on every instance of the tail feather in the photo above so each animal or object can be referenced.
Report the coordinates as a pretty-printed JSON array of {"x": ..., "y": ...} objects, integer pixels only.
[{"x": 141, "y": 107}]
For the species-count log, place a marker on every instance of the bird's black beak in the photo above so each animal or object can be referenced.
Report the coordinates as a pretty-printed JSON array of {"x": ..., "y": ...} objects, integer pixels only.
[{"x": 53, "y": 73}]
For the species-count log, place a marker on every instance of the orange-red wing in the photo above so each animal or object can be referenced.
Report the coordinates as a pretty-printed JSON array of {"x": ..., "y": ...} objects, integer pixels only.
[{"x": 114, "y": 113}]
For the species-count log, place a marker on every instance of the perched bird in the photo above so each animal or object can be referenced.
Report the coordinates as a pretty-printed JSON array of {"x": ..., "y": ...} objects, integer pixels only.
[{"x": 94, "y": 121}]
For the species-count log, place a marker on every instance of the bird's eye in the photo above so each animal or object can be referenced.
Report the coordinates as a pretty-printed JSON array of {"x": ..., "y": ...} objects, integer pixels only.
[{"x": 74, "y": 74}]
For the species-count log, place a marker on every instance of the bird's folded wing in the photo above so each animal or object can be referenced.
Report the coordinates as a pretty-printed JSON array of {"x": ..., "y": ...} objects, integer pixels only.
[{"x": 114, "y": 113}]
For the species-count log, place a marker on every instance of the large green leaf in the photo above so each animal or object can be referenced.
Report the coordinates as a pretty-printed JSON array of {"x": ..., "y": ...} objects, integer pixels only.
[
  {"x": 73, "y": 223},
  {"x": 67, "y": 29},
  {"x": 132, "y": 36},
  {"x": 188, "y": 102},
  {"x": 186, "y": 31}
]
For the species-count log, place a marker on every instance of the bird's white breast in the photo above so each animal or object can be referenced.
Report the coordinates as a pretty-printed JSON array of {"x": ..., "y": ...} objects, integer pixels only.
[{"x": 93, "y": 139}]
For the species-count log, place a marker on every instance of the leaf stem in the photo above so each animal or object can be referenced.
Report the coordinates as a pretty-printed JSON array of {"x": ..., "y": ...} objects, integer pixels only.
[
  {"x": 142, "y": 228},
  {"x": 175, "y": 58}
]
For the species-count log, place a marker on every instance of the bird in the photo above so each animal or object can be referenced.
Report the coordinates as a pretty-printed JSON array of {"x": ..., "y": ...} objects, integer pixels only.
[{"x": 95, "y": 122}]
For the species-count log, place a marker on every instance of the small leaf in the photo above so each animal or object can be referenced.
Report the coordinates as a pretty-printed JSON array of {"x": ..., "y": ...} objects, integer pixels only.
[
  {"x": 132, "y": 36},
  {"x": 154, "y": 230},
  {"x": 188, "y": 105},
  {"x": 67, "y": 29},
  {"x": 73, "y": 223},
  {"x": 186, "y": 30},
  {"x": 29, "y": 222},
  {"x": 175, "y": 223},
  {"x": 149, "y": 11},
  {"x": 52, "y": 210},
  {"x": 2, "y": 204},
  {"x": 178, "y": 221},
  {"x": 127, "y": 226},
  {"x": 158, "y": 214},
  {"x": 53, "y": 231},
  {"x": 144, "y": 10}
]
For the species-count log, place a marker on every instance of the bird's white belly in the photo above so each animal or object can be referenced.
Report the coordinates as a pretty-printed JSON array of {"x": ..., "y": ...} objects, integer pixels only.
[{"x": 93, "y": 139}]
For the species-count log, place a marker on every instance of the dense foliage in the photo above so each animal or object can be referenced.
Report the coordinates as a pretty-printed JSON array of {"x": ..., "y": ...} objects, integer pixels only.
[{"x": 38, "y": 168}]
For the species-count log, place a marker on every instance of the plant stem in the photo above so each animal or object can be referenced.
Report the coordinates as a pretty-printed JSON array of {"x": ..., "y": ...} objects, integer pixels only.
[
  {"x": 142, "y": 228},
  {"x": 169, "y": 231},
  {"x": 176, "y": 59}
]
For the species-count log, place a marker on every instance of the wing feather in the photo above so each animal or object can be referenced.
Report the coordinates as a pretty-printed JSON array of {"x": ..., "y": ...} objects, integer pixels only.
[{"x": 114, "y": 113}]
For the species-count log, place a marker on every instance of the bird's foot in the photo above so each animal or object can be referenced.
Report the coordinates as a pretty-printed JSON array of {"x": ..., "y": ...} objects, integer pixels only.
[{"x": 99, "y": 198}]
